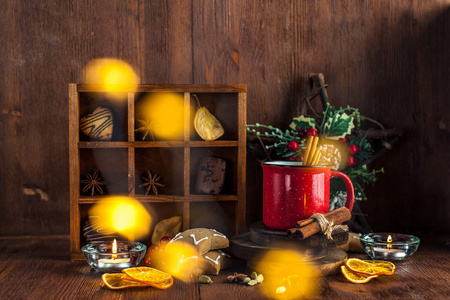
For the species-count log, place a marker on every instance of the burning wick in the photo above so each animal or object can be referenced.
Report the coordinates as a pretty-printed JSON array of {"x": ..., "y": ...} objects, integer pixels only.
[
  {"x": 114, "y": 249},
  {"x": 389, "y": 240}
]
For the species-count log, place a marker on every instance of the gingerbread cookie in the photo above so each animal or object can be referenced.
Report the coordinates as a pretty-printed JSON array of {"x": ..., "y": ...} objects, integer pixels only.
[
  {"x": 209, "y": 263},
  {"x": 202, "y": 239},
  {"x": 214, "y": 261}
]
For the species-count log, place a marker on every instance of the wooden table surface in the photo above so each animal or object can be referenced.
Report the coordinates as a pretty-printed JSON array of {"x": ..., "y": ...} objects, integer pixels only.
[{"x": 39, "y": 268}]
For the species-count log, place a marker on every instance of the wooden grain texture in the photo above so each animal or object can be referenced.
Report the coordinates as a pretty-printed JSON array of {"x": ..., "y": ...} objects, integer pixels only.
[
  {"x": 388, "y": 58},
  {"x": 131, "y": 151},
  {"x": 74, "y": 169},
  {"x": 42, "y": 268}
]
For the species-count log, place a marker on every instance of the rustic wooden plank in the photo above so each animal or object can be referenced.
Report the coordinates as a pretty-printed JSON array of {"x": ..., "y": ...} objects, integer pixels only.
[
  {"x": 167, "y": 198},
  {"x": 74, "y": 169},
  {"x": 131, "y": 153},
  {"x": 191, "y": 88},
  {"x": 241, "y": 211},
  {"x": 216, "y": 62},
  {"x": 214, "y": 144},
  {"x": 212, "y": 198},
  {"x": 42, "y": 267},
  {"x": 159, "y": 144},
  {"x": 82, "y": 145},
  {"x": 186, "y": 215},
  {"x": 187, "y": 161},
  {"x": 187, "y": 150},
  {"x": 11, "y": 121},
  {"x": 165, "y": 41},
  {"x": 131, "y": 172},
  {"x": 378, "y": 56}
]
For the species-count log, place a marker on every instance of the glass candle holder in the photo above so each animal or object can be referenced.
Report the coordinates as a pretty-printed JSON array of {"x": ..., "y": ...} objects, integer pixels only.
[
  {"x": 389, "y": 246},
  {"x": 101, "y": 256}
]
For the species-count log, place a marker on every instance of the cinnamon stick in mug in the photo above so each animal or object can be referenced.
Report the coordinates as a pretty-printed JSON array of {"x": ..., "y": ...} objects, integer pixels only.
[
  {"x": 308, "y": 149},
  {"x": 316, "y": 157},
  {"x": 313, "y": 151}
]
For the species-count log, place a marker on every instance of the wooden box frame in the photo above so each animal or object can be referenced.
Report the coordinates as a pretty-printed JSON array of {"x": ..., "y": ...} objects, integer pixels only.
[{"x": 188, "y": 144}]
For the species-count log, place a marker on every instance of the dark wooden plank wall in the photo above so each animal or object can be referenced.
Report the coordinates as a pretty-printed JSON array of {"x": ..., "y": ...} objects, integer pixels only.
[{"x": 389, "y": 58}]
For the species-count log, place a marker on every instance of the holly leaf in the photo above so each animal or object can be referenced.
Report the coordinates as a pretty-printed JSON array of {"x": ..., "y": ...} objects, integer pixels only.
[
  {"x": 338, "y": 126},
  {"x": 303, "y": 122}
]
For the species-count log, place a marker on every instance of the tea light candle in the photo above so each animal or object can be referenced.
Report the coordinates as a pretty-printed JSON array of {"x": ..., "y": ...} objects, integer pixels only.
[
  {"x": 389, "y": 246},
  {"x": 388, "y": 252},
  {"x": 114, "y": 257},
  {"x": 113, "y": 261}
]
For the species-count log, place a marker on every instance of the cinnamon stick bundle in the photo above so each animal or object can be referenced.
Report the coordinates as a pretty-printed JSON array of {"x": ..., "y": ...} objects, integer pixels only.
[{"x": 309, "y": 227}]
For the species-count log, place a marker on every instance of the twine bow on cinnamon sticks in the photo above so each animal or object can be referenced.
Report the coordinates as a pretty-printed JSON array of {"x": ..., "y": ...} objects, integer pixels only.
[{"x": 325, "y": 223}]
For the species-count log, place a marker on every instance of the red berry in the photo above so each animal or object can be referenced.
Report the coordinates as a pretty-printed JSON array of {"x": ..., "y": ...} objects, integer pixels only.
[
  {"x": 344, "y": 140},
  {"x": 293, "y": 158},
  {"x": 351, "y": 161},
  {"x": 352, "y": 149},
  {"x": 311, "y": 132},
  {"x": 164, "y": 241},
  {"x": 302, "y": 132},
  {"x": 148, "y": 261},
  {"x": 153, "y": 248},
  {"x": 292, "y": 146}
]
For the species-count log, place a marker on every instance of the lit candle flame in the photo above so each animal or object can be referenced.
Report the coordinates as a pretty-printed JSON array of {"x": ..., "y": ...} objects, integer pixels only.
[
  {"x": 389, "y": 240},
  {"x": 114, "y": 249}
]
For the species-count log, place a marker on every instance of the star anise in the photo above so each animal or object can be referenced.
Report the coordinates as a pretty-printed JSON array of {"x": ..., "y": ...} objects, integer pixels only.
[
  {"x": 151, "y": 183},
  {"x": 93, "y": 182},
  {"x": 147, "y": 128}
]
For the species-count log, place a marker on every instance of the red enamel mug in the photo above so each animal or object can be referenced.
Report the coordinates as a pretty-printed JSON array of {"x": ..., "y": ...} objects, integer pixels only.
[{"x": 293, "y": 192}]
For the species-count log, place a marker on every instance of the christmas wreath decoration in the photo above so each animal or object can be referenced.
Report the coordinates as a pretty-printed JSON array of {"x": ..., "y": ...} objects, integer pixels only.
[{"x": 348, "y": 141}]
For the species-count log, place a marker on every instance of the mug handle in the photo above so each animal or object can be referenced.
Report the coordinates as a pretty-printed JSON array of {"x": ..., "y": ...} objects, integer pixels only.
[{"x": 348, "y": 186}]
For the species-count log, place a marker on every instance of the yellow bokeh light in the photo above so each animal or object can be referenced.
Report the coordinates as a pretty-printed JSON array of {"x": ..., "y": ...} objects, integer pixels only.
[
  {"x": 287, "y": 275},
  {"x": 165, "y": 113},
  {"x": 115, "y": 76},
  {"x": 182, "y": 261},
  {"x": 123, "y": 215}
]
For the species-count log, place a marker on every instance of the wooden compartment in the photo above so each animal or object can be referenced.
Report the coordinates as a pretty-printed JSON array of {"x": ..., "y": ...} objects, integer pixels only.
[
  {"x": 88, "y": 102},
  {"x": 112, "y": 165},
  {"x": 229, "y": 154},
  {"x": 173, "y": 111},
  {"x": 167, "y": 162},
  {"x": 124, "y": 160},
  {"x": 224, "y": 106}
]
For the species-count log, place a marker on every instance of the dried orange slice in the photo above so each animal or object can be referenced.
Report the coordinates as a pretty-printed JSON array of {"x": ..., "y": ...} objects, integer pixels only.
[
  {"x": 117, "y": 282},
  {"x": 355, "y": 277},
  {"x": 370, "y": 267},
  {"x": 387, "y": 265},
  {"x": 147, "y": 275},
  {"x": 161, "y": 285}
]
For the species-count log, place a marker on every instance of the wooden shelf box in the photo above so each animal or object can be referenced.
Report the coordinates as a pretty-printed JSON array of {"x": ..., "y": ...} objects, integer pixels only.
[{"x": 124, "y": 160}]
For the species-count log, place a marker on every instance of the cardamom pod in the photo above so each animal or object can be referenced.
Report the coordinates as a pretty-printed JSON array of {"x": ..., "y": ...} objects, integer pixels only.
[
  {"x": 204, "y": 279},
  {"x": 252, "y": 282},
  {"x": 260, "y": 278}
]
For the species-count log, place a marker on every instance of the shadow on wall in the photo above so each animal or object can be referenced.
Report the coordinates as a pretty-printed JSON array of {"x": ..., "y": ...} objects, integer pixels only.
[{"x": 417, "y": 169}]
